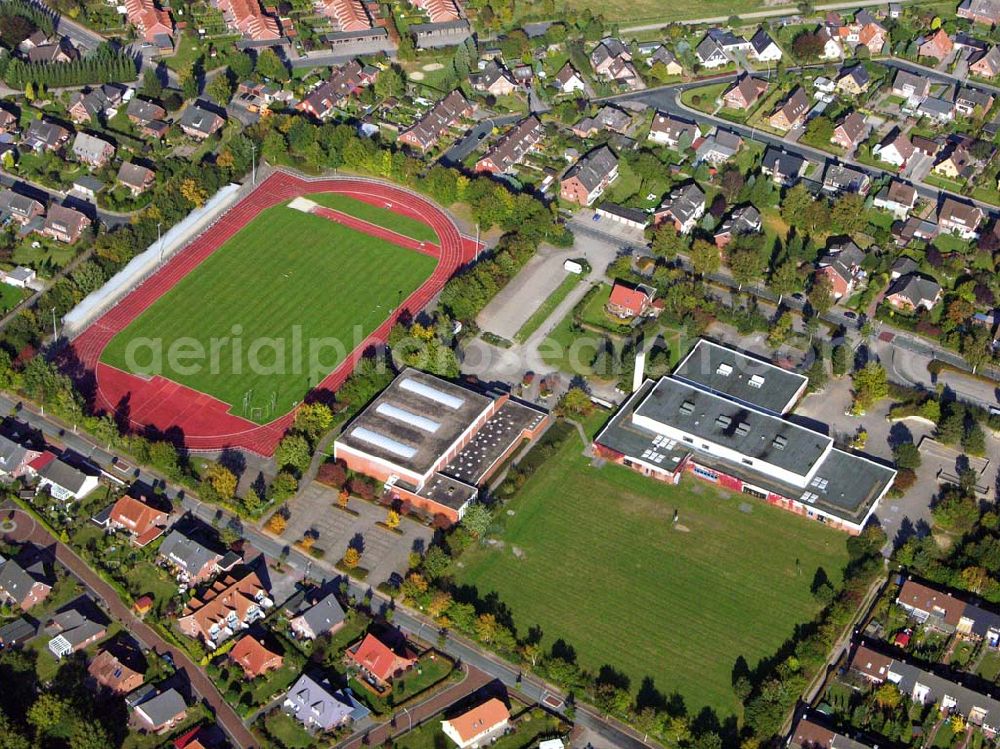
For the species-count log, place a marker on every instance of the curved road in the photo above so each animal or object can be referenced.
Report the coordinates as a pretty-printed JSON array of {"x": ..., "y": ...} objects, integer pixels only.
[{"x": 28, "y": 530}]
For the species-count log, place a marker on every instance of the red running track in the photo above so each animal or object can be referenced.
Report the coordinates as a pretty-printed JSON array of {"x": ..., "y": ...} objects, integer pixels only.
[{"x": 204, "y": 421}]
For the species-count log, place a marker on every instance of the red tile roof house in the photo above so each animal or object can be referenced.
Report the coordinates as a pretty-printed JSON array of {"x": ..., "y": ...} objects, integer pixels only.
[
  {"x": 142, "y": 521},
  {"x": 20, "y": 587},
  {"x": 744, "y": 93},
  {"x": 958, "y": 218},
  {"x": 478, "y": 726},
  {"x": 793, "y": 112},
  {"x": 850, "y": 132},
  {"x": 229, "y": 605},
  {"x": 986, "y": 64},
  {"x": 107, "y": 671},
  {"x": 379, "y": 663},
  {"x": 254, "y": 657},
  {"x": 64, "y": 224},
  {"x": 938, "y": 45},
  {"x": 980, "y": 11},
  {"x": 151, "y": 21},
  {"x": 247, "y": 17},
  {"x": 627, "y": 301}
]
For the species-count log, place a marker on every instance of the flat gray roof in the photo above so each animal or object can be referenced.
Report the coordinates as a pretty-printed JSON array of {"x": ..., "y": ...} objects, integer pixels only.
[
  {"x": 493, "y": 439},
  {"x": 414, "y": 421},
  {"x": 742, "y": 378},
  {"x": 751, "y": 432}
]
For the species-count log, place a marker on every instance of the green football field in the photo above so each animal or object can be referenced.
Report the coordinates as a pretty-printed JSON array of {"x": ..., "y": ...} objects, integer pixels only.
[
  {"x": 599, "y": 563},
  {"x": 303, "y": 291},
  {"x": 376, "y": 215}
]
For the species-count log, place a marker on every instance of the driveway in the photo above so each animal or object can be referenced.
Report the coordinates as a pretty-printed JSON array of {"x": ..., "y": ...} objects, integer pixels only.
[
  {"x": 518, "y": 300},
  {"x": 383, "y": 552}
]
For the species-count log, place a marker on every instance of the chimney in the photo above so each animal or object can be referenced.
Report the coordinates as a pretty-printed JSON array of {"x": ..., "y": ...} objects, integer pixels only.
[{"x": 640, "y": 368}]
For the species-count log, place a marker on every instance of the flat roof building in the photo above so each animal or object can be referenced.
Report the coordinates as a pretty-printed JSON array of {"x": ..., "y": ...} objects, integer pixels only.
[
  {"x": 433, "y": 442},
  {"x": 706, "y": 420}
]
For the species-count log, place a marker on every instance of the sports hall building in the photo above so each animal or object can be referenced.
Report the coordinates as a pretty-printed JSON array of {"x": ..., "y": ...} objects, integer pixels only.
[
  {"x": 723, "y": 417},
  {"x": 434, "y": 443}
]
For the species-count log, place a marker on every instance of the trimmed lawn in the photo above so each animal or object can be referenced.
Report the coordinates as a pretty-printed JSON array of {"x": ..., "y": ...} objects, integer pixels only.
[
  {"x": 602, "y": 565},
  {"x": 277, "y": 317},
  {"x": 989, "y": 666},
  {"x": 706, "y": 96},
  {"x": 10, "y": 297},
  {"x": 288, "y": 731},
  {"x": 547, "y": 307},
  {"x": 593, "y": 312},
  {"x": 430, "y": 669},
  {"x": 374, "y": 214}
]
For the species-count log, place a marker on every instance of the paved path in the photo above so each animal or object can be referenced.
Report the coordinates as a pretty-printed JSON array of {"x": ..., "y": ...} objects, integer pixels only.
[{"x": 28, "y": 530}]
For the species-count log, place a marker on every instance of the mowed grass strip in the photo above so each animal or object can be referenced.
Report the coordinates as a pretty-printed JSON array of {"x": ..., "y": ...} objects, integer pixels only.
[
  {"x": 604, "y": 567},
  {"x": 377, "y": 215},
  {"x": 284, "y": 269}
]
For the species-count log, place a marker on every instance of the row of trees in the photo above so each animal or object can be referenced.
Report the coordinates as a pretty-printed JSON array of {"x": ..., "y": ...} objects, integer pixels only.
[{"x": 107, "y": 67}]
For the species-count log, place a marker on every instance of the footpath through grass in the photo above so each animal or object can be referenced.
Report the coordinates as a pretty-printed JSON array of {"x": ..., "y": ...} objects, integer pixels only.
[
  {"x": 374, "y": 214},
  {"x": 601, "y": 564},
  {"x": 282, "y": 303}
]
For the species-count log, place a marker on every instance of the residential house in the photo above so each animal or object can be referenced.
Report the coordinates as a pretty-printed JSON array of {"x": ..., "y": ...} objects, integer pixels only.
[
  {"x": 14, "y": 458},
  {"x": 793, "y": 112},
  {"x": 928, "y": 688},
  {"x": 980, "y": 11},
  {"x": 192, "y": 561},
  {"x": 962, "y": 219},
  {"x": 479, "y": 726},
  {"x": 730, "y": 43},
  {"x": 42, "y": 135},
  {"x": 444, "y": 115},
  {"x": 230, "y": 604},
  {"x": 903, "y": 266},
  {"x": 898, "y": 198},
  {"x": 939, "y": 110},
  {"x": 940, "y": 610},
  {"x": 60, "y": 479},
  {"x": 854, "y": 81},
  {"x": 140, "y": 520},
  {"x": 612, "y": 60},
  {"x": 345, "y": 81},
  {"x": 964, "y": 43},
  {"x": 809, "y": 734},
  {"x": 147, "y": 117},
  {"x": 59, "y": 52},
  {"x": 160, "y": 713},
  {"x": 910, "y": 86},
  {"x": 317, "y": 705},
  {"x": 925, "y": 145},
  {"x": 986, "y": 64},
  {"x": 608, "y": 117},
  {"x": 72, "y": 630},
  {"x": 512, "y": 147},
  {"x": 65, "y": 225},
  {"x": 323, "y": 617},
  {"x": 741, "y": 222},
  {"x": 8, "y": 122},
  {"x": 937, "y": 45},
  {"x": 865, "y": 31},
  {"x": 850, "y": 132},
  {"x": 568, "y": 80},
  {"x": 744, "y": 92},
  {"x": 683, "y": 207},
  {"x": 87, "y": 187},
  {"x": 895, "y": 149},
  {"x": 587, "y": 179},
  {"x": 90, "y": 106},
  {"x": 378, "y": 662},
  {"x": 253, "y": 655},
  {"x": 763, "y": 48},
  {"x": 710, "y": 53},
  {"x": 113, "y": 669},
  {"x": 969, "y": 100},
  {"x": 841, "y": 263},
  {"x": 494, "y": 79},
  {"x": 840, "y": 178},
  {"x": 153, "y": 23},
  {"x": 21, "y": 587},
  {"x": 629, "y": 300},
  {"x": 663, "y": 56},
  {"x": 718, "y": 148},
  {"x": 441, "y": 11},
  {"x": 17, "y": 632},
  {"x": 246, "y": 17},
  {"x": 671, "y": 131},
  {"x": 913, "y": 292},
  {"x": 20, "y": 208},
  {"x": 92, "y": 151},
  {"x": 957, "y": 163},
  {"x": 135, "y": 177},
  {"x": 833, "y": 49},
  {"x": 200, "y": 123},
  {"x": 782, "y": 167}
]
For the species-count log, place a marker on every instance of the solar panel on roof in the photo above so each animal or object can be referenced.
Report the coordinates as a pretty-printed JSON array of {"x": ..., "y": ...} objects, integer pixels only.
[
  {"x": 407, "y": 417},
  {"x": 386, "y": 443},
  {"x": 431, "y": 393}
]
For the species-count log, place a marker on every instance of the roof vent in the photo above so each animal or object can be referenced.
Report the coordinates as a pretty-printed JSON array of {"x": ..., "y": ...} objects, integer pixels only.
[
  {"x": 742, "y": 429},
  {"x": 687, "y": 408},
  {"x": 723, "y": 421},
  {"x": 756, "y": 381},
  {"x": 780, "y": 442},
  {"x": 725, "y": 370}
]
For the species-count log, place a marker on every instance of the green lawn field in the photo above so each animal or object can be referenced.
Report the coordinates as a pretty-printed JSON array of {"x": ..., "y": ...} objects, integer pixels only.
[
  {"x": 652, "y": 11},
  {"x": 374, "y": 214},
  {"x": 287, "y": 276},
  {"x": 601, "y": 565}
]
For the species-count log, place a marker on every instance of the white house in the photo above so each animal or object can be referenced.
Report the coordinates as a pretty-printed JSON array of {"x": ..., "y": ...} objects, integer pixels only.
[
  {"x": 764, "y": 48},
  {"x": 65, "y": 482},
  {"x": 20, "y": 277},
  {"x": 479, "y": 726},
  {"x": 832, "y": 49}
]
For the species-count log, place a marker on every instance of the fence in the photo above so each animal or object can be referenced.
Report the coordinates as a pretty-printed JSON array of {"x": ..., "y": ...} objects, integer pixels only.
[{"x": 145, "y": 264}]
